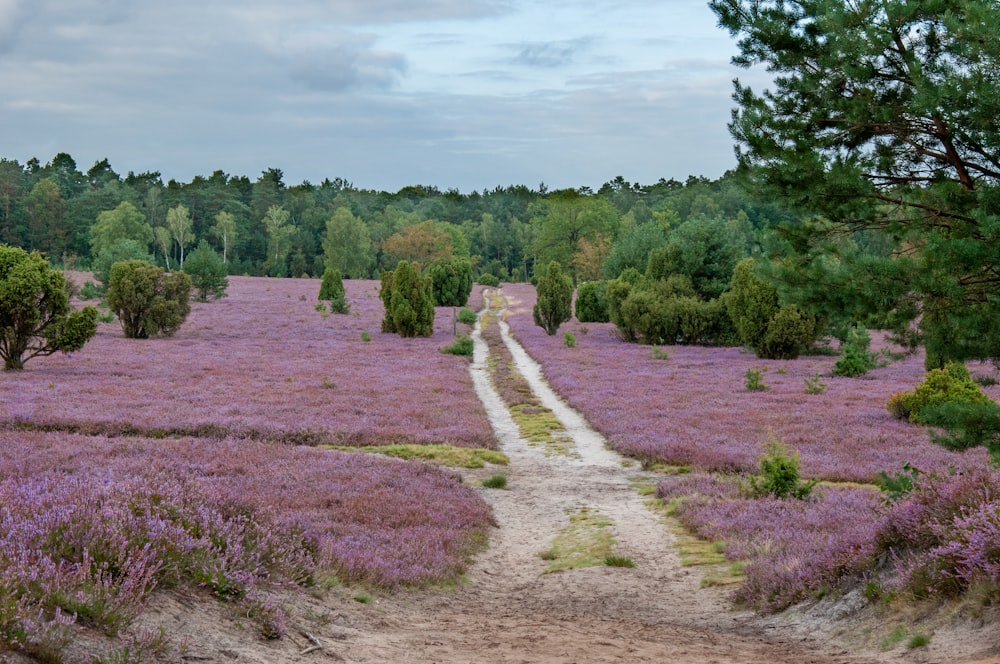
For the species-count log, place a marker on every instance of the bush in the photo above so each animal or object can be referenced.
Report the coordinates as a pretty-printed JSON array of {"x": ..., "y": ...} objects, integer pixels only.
[
  {"x": 451, "y": 282},
  {"x": 332, "y": 290},
  {"x": 779, "y": 475},
  {"x": 35, "y": 316},
  {"x": 467, "y": 316},
  {"x": 487, "y": 279},
  {"x": 788, "y": 332},
  {"x": 409, "y": 301},
  {"x": 855, "y": 358},
  {"x": 463, "y": 345},
  {"x": 952, "y": 384},
  {"x": 592, "y": 302},
  {"x": 555, "y": 299},
  {"x": 751, "y": 304},
  {"x": 118, "y": 251},
  {"x": 569, "y": 340},
  {"x": 147, "y": 301},
  {"x": 207, "y": 271}
]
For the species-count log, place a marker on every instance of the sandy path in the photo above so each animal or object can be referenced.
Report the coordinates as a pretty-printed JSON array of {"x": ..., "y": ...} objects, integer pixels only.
[{"x": 510, "y": 611}]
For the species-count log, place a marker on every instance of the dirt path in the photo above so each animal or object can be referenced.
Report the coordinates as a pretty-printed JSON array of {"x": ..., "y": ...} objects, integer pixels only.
[{"x": 511, "y": 611}]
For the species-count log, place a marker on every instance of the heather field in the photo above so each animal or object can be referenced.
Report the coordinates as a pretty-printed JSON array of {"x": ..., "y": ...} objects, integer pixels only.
[
  {"x": 134, "y": 465},
  {"x": 264, "y": 363},
  {"x": 691, "y": 409}
]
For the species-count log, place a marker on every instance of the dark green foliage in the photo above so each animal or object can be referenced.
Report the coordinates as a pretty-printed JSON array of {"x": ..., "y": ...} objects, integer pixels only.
[
  {"x": 896, "y": 487},
  {"x": 855, "y": 358},
  {"x": 592, "y": 302},
  {"x": 754, "y": 381},
  {"x": 751, "y": 303},
  {"x": 452, "y": 282},
  {"x": 332, "y": 290},
  {"x": 555, "y": 299},
  {"x": 788, "y": 332},
  {"x": 633, "y": 250},
  {"x": 207, "y": 271},
  {"x": 779, "y": 476},
  {"x": 703, "y": 250},
  {"x": 659, "y": 315},
  {"x": 495, "y": 482},
  {"x": 147, "y": 301},
  {"x": 409, "y": 301},
  {"x": 880, "y": 126},
  {"x": 487, "y": 279},
  {"x": 966, "y": 425},
  {"x": 35, "y": 315},
  {"x": 569, "y": 340},
  {"x": 116, "y": 252},
  {"x": 462, "y": 346}
]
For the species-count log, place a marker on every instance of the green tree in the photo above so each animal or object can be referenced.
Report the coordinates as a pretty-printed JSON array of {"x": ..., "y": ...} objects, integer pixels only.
[
  {"x": 452, "y": 282},
  {"x": 332, "y": 290},
  {"x": 279, "y": 240},
  {"x": 35, "y": 315},
  {"x": 44, "y": 209},
  {"x": 120, "y": 250},
  {"x": 882, "y": 115},
  {"x": 181, "y": 228},
  {"x": 555, "y": 299},
  {"x": 409, "y": 301},
  {"x": 567, "y": 217},
  {"x": 347, "y": 246},
  {"x": 148, "y": 301},
  {"x": 225, "y": 230},
  {"x": 124, "y": 222},
  {"x": 164, "y": 242},
  {"x": 751, "y": 303},
  {"x": 207, "y": 271}
]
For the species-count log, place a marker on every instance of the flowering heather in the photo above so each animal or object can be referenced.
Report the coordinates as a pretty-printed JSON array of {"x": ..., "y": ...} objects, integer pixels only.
[
  {"x": 90, "y": 526},
  {"x": 694, "y": 408},
  {"x": 264, "y": 363},
  {"x": 793, "y": 549}
]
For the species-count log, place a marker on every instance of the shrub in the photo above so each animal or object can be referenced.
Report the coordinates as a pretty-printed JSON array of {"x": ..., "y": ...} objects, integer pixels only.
[
  {"x": 952, "y": 384},
  {"x": 592, "y": 302},
  {"x": 467, "y": 316},
  {"x": 409, "y": 301},
  {"x": 966, "y": 425},
  {"x": 779, "y": 475},
  {"x": 495, "y": 482},
  {"x": 555, "y": 299},
  {"x": 331, "y": 289},
  {"x": 451, "y": 282},
  {"x": 487, "y": 279},
  {"x": 147, "y": 301},
  {"x": 569, "y": 340},
  {"x": 855, "y": 358},
  {"x": 754, "y": 381},
  {"x": 207, "y": 271},
  {"x": 751, "y": 304},
  {"x": 35, "y": 316},
  {"x": 462, "y": 346},
  {"x": 120, "y": 250},
  {"x": 788, "y": 332}
]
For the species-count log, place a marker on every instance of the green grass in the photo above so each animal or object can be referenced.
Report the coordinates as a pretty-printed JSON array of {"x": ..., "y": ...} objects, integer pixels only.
[
  {"x": 495, "y": 482},
  {"x": 618, "y": 561},
  {"x": 446, "y": 455},
  {"x": 585, "y": 542}
]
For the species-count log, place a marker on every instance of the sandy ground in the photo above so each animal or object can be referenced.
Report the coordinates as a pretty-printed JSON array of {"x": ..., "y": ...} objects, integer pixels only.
[{"x": 509, "y": 610}]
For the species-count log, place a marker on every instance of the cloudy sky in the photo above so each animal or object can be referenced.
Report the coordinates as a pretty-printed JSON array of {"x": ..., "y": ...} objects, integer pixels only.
[{"x": 465, "y": 94}]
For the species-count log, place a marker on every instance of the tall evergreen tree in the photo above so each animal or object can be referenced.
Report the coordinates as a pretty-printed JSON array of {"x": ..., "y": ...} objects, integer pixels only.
[{"x": 883, "y": 116}]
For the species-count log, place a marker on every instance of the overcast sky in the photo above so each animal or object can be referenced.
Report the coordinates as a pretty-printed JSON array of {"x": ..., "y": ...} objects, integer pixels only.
[{"x": 465, "y": 94}]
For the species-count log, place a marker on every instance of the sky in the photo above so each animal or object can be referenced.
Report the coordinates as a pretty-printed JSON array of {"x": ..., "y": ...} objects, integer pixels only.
[{"x": 457, "y": 94}]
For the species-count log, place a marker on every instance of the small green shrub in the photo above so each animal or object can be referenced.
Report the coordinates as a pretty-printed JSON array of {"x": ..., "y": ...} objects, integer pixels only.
[
  {"x": 659, "y": 354},
  {"x": 467, "y": 316},
  {"x": 815, "y": 385},
  {"x": 332, "y": 290},
  {"x": 409, "y": 301},
  {"x": 462, "y": 346},
  {"x": 91, "y": 291},
  {"x": 569, "y": 340},
  {"x": 855, "y": 358},
  {"x": 496, "y": 482},
  {"x": 487, "y": 279},
  {"x": 788, "y": 332},
  {"x": 754, "y": 380},
  {"x": 207, "y": 272},
  {"x": 366, "y": 337},
  {"x": 779, "y": 475},
  {"x": 896, "y": 487},
  {"x": 451, "y": 281},
  {"x": 918, "y": 641}
]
